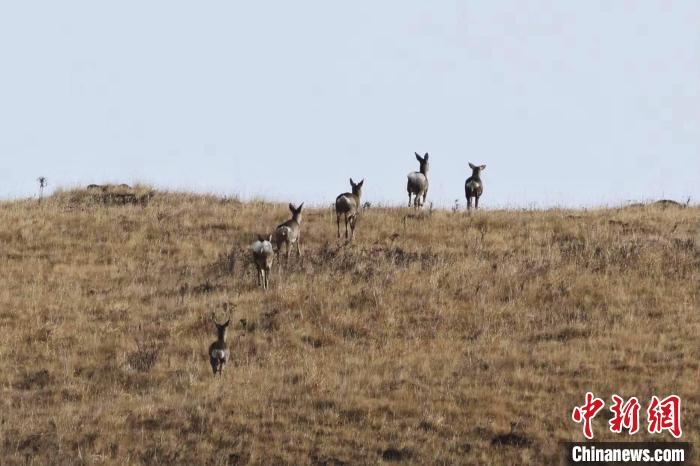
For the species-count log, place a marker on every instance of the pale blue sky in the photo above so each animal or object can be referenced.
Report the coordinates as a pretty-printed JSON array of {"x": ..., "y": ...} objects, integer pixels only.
[{"x": 567, "y": 103}]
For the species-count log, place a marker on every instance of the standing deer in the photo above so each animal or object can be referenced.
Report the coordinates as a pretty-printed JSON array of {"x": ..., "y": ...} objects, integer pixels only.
[
  {"x": 218, "y": 351},
  {"x": 348, "y": 204},
  {"x": 289, "y": 232},
  {"x": 473, "y": 187},
  {"x": 263, "y": 257},
  {"x": 418, "y": 182}
]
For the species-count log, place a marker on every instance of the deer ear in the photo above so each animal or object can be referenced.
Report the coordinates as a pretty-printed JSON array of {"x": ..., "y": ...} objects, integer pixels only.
[
  {"x": 352, "y": 183},
  {"x": 301, "y": 206},
  {"x": 361, "y": 183},
  {"x": 472, "y": 166},
  {"x": 291, "y": 207},
  {"x": 418, "y": 157},
  {"x": 269, "y": 238},
  {"x": 261, "y": 237},
  {"x": 425, "y": 157},
  {"x": 483, "y": 167}
]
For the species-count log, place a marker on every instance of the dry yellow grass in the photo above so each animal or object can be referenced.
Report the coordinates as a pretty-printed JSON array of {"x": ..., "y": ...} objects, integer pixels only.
[{"x": 419, "y": 343}]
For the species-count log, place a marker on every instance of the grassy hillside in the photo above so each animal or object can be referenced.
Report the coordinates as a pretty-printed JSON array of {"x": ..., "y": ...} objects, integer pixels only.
[{"x": 421, "y": 342}]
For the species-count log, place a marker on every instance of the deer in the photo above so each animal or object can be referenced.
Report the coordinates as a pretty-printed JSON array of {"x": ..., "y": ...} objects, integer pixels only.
[
  {"x": 418, "y": 182},
  {"x": 348, "y": 204},
  {"x": 474, "y": 187},
  {"x": 218, "y": 351},
  {"x": 288, "y": 233},
  {"x": 263, "y": 258}
]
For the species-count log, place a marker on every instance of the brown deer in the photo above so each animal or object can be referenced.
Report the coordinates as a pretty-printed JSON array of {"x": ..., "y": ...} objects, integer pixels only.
[
  {"x": 263, "y": 258},
  {"x": 348, "y": 204},
  {"x": 418, "y": 182},
  {"x": 289, "y": 232},
  {"x": 218, "y": 351},
  {"x": 473, "y": 187}
]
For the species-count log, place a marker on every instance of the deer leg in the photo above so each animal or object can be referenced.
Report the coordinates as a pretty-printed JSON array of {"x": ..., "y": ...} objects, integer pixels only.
[
  {"x": 476, "y": 202},
  {"x": 337, "y": 218},
  {"x": 469, "y": 203},
  {"x": 409, "y": 198},
  {"x": 286, "y": 250},
  {"x": 299, "y": 247},
  {"x": 346, "y": 225}
]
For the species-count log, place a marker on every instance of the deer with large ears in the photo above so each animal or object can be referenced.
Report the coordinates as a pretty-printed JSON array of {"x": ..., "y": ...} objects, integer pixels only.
[
  {"x": 418, "y": 182},
  {"x": 263, "y": 258},
  {"x": 289, "y": 232},
  {"x": 348, "y": 204},
  {"x": 218, "y": 351},
  {"x": 473, "y": 187}
]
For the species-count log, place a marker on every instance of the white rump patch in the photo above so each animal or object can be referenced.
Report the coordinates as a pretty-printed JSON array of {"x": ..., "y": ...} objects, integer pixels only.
[
  {"x": 218, "y": 354},
  {"x": 416, "y": 177},
  {"x": 262, "y": 247}
]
